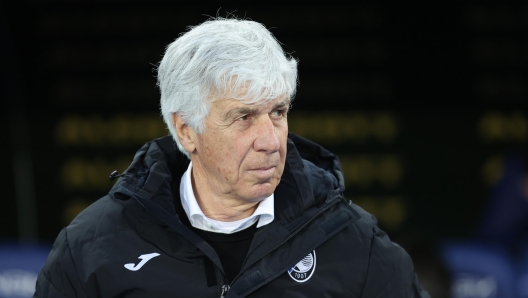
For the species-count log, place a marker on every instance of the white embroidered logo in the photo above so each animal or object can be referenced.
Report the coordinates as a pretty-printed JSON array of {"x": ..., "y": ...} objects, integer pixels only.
[
  {"x": 303, "y": 270},
  {"x": 144, "y": 258}
]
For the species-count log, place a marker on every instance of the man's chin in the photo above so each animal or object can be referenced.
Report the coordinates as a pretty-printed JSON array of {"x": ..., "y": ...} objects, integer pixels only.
[{"x": 261, "y": 191}]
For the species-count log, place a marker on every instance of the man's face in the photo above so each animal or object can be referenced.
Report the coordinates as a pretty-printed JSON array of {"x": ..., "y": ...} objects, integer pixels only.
[{"x": 241, "y": 153}]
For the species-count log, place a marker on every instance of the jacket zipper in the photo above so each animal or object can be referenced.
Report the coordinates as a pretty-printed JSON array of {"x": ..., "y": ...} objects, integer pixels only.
[
  {"x": 335, "y": 202},
  {"x": 225, "y": 288}
]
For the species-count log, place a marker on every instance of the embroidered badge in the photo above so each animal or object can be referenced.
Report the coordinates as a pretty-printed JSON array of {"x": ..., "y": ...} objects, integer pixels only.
[{"x": 303, "y": 270}]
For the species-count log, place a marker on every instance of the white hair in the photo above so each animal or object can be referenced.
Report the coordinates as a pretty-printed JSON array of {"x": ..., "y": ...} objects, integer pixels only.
[{"x": 219, "y": 58}]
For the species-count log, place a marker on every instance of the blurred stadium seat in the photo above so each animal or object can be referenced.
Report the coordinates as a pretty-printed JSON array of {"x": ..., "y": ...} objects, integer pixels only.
[
  {"x": 479, "y": 270},
  {"x": 522, "y": 270},
  {"x": 19, "y": 266}
]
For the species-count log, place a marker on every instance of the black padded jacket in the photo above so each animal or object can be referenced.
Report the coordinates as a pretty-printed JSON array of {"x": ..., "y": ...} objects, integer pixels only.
[{"x": 131, "y": 243}]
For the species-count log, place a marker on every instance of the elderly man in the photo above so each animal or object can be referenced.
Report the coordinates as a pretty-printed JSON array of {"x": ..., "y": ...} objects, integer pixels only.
[{"x": 231, "y": 205}]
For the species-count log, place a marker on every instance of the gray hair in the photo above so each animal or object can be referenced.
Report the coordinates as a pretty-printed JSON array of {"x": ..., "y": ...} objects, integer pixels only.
[{"x": 219, "y": 58}]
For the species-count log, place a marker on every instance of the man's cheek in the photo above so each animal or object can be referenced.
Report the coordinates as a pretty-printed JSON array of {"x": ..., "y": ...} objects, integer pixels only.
[{"x": 278, "y": 175}]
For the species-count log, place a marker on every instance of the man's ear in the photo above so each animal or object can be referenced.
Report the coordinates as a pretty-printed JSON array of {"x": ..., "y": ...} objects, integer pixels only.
[{"x": 186, "y": 134}]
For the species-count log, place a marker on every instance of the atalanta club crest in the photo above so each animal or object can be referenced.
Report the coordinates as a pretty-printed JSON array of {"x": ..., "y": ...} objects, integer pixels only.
[{"x": 303, "y": 270}]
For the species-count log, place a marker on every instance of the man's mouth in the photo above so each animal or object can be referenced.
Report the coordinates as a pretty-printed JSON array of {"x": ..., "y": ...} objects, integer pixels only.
[{"x": 264, "y": 172}]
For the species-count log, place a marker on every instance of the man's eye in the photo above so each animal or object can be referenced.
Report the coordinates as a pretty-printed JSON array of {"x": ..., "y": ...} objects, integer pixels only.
[
  {"x": 243, "y": 118},
  {"x": 278, "y": 113}
]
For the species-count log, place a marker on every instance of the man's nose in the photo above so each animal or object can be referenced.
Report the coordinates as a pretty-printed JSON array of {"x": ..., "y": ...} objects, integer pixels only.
[{"x": 266, "y": 135}]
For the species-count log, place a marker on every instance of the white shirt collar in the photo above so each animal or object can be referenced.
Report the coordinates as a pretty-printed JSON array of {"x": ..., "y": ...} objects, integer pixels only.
[{"x": 264, "y": 214}]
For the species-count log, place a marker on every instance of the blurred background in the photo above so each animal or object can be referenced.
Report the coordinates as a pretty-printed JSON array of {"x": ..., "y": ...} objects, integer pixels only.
[{"x": 425, "y": 105}]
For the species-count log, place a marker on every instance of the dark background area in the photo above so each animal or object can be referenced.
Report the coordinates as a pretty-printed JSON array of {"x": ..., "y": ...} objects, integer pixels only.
[{"x": 421, "y": 103}]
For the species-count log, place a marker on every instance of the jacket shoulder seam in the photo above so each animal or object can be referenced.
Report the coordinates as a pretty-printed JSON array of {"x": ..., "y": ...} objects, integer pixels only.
[
  {"x": 51, "y": 284},
  {"x": 73, "y": 260},
  {"x": 370, "y": 256}
]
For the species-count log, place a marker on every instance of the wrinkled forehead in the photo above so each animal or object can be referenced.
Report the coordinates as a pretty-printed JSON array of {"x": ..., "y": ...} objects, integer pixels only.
[
  {"x": 229, "y": 106},
  {"x": 241, "y": 99},
  {"x": 249, "y": 92}
]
